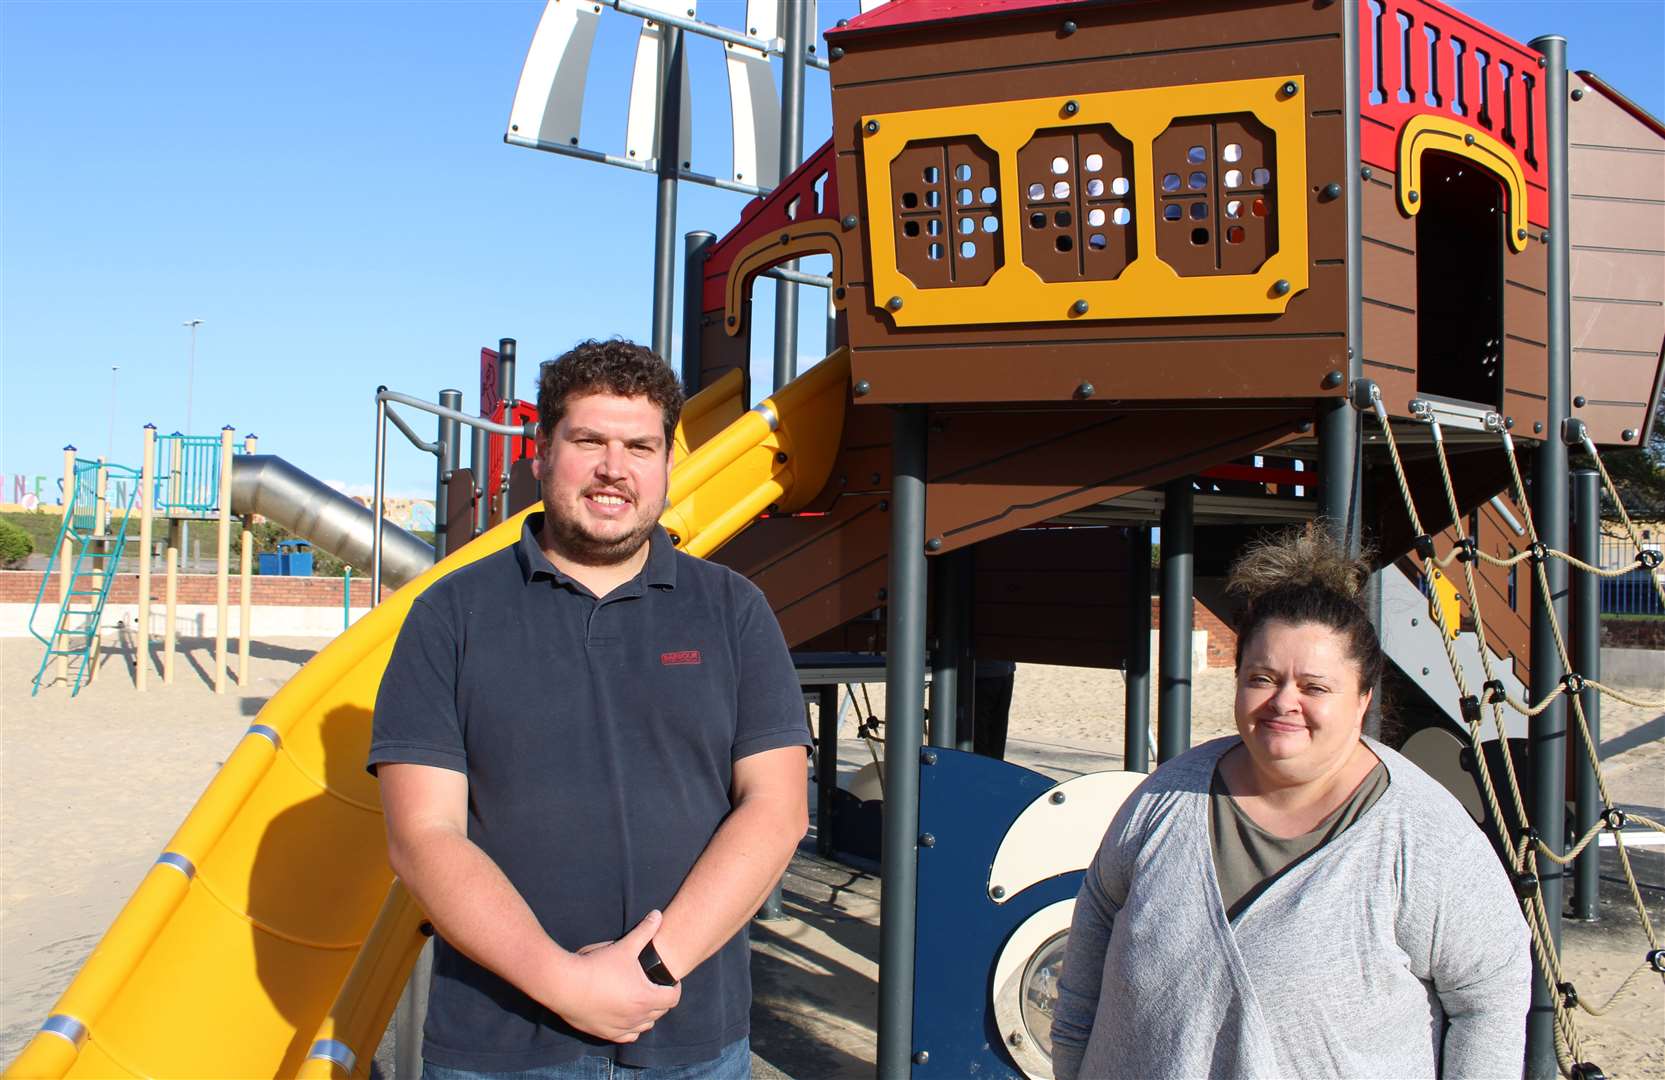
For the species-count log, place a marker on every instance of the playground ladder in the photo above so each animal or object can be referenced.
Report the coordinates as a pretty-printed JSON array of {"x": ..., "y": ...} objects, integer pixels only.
[{"x": 97, "y": 558}]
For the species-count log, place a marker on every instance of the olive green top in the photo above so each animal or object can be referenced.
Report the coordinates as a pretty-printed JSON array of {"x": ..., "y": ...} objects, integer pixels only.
[{"x": 1247, "y": 858}]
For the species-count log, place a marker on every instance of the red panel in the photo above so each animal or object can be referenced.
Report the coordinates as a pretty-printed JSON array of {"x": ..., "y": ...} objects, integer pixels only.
[
  {"x": 900, "y": 13},
  {"x": 524, "y": 412},
  {"x": 766, "y": 213},
  {"x": 1380, "y": 140}
]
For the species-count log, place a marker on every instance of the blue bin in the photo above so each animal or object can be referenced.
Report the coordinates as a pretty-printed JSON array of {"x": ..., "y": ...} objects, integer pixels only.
[
  {"x": 271, "y": 564},
  {"x": 295, "y": 557}
]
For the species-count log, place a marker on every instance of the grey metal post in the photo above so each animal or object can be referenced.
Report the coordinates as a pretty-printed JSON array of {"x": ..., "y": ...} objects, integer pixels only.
[
  {"x": 965, "y": 696},
  {"x": 450, "y": 454},
  {"x": 948, "y": 614},
  {"x": 1338, "y": 424},
  {"x": 1586, "y": 656},
  {"x": 379, "y": 486},
  {"x": 826, "y": 766},
  {"x": 904, "y": 729},
  {"x": 1136, "y": 715},
  {"x": 669, "y": 152},
  {"x": 799, "y": 20},
  {"x": 1547, "y": 732},
  {"x": 409, "y": 1016},
  {"x": 1173, "y": 707},
  {"x": 506, "y": 391},
  {"x": 479, "y": 460},
  {"x": 696, "y": 246}
]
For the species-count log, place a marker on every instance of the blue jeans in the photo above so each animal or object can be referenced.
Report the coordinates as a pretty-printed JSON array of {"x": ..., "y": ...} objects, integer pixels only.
[{"x": 734, "y": 1062}]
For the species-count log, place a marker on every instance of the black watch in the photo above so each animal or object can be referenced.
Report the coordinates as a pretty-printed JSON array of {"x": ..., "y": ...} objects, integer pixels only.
[{"x": 654, "y": 968}]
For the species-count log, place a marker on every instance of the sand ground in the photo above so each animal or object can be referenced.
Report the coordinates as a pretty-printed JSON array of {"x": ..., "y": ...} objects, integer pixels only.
[{"x": 91, "y": 789}]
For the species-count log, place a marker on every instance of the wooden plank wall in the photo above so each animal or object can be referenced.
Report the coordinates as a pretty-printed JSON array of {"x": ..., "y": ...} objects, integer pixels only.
[{"x": 1617, "y": 176}]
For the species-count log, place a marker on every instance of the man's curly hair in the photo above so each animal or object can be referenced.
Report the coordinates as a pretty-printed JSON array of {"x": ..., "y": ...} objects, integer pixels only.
[{"x": 615, "y": 366}]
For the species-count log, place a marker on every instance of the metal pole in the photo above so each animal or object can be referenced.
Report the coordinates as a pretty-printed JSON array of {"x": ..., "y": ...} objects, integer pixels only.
[
  {"x": 1173, "y": 707},
  {"x": 826, "y": 766},
  {"x": 147, "y": 514},
  {"x": 450, "y": 454},
  {"x": 191, "y": 371},
  {"x": 1586, "y": 654},
  {"x": 378, "y": 498},
  {"x": 409, "y": 1016},
  {"x": 1338, "y": 423},
  {"x": 479, "y": 458},
  {"x": 904, "y": 730},
  {"x": 506, "y": 391},
  {"x": 670, "y": 158},
  {"x": 1547, "y": 732},
  {"x": 799, "y": 18},
  {"x": 1136, "y": 716},
  {"x": 696, "y": 246},
  {"x": 964, "y": 580},
  {"x": 947, "y": 609}
]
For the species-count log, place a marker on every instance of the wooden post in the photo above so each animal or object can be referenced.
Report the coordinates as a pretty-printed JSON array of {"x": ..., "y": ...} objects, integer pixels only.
[
  {"x": 147, "y": 496},
  {"x": 102, "y": 560},
  {"x": 66, "y": 560},
  {"x": 222, "y": 562},
  {"x": 171, "y": 601},
  {"x": 176, "y": 541},
  {"x": 246, "y": 595}
]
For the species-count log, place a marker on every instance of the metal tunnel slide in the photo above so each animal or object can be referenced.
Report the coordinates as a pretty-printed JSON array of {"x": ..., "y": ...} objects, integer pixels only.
[
  {"x": 306, "y": 506},
  {"x": 270, "y": 938}
]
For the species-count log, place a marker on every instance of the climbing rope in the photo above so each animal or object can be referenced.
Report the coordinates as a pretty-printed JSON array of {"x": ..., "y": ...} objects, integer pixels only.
[{"x": 1523, "y": 852}]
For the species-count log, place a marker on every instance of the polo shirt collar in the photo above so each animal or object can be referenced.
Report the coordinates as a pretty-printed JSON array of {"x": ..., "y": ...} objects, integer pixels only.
[{"x": 658, "y": 571}]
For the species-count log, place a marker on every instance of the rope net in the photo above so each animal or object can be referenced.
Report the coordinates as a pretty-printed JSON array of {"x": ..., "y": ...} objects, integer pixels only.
[{"x": 1522, "y": 843}]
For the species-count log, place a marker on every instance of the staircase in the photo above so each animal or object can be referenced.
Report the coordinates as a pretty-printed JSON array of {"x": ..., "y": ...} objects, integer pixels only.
[{"x": 94, "y": 535}]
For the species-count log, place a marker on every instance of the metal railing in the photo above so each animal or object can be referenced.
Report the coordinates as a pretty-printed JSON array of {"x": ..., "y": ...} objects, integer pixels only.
[
  {"x": 1633, "y": 592},
  {"x": 187, "y": 474}
]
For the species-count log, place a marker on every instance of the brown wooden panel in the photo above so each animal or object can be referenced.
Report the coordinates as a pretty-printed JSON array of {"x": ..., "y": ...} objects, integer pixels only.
[
  {"x": 1215, "y": 28},
  {"x": 999, "y": 472},
  {"x": 1052, "y": 596},
  {"x": 817, "y": 571},
  {"x": 1525, "y": 313},
  {"x": 1383, "y": 221},
  {"x": 1616, "y": 173},
  {"x": 1390, "y": 354},
  {"x": 851, "y": 179},
  {"x": 1220, "y": 367},
  {"x": 1390, "y": 276},
  {"x": 1608, "y": 423},
  {"x": 1613, "y": 378},
  {"x": 1528, "y": 268},
  {"x": 1625, "y": 226},
  {"x": 523, "y": 486},
  {"x": 459, "y": 517},
  {"x": 1618, "y": 275},
  {"x": 720, "y": 353},
  {"x": 1621, "y": 327},
  {"x": 1596, "y": 120},
  {"x": 1398, "y": 385}
]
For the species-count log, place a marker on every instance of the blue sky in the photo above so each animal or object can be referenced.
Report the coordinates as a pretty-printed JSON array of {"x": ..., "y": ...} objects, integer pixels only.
[{"x": 326, "y": 186}]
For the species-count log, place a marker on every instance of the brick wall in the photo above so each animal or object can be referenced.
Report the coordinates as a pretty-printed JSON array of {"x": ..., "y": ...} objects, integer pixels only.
[
  {"x": 1222, "y": 641},
  {"x": 21, "y": 587}
]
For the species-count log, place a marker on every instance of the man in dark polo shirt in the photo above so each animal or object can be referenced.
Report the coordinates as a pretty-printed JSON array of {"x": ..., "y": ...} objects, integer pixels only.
[{"x": 591, "y": 757}]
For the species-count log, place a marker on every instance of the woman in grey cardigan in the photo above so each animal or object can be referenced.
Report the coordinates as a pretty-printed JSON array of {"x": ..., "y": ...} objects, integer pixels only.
[{"x": 1297, "y": 901}]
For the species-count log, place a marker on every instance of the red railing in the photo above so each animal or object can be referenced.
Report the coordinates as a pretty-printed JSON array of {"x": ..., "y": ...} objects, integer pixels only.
[
  {"x": 1420, "y": 57},
  {"x": 811, "y": 191}
]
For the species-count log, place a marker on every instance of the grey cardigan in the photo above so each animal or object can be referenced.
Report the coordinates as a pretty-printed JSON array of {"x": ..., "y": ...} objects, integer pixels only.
[{"x": 1396, "y": 950}]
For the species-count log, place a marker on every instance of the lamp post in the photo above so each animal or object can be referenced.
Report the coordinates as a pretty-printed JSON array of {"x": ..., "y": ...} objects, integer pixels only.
[
  {"x": 190, "y": 370},
  {"x": 110, "y": 444}
]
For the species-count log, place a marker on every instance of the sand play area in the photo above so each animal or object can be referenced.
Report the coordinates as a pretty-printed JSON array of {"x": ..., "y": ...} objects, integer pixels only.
[{"x": 91, "y": 789}]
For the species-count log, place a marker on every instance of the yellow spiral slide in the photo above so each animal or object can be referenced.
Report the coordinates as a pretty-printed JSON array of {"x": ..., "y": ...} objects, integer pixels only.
[{"x": 270, "y": 938}]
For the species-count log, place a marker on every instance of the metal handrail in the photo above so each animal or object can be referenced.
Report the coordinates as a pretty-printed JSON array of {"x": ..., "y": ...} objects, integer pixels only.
[{"x": 384, "y": 411}]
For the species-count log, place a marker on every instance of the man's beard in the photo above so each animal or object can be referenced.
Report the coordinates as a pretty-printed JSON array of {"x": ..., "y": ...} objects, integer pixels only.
[{"x": 571, "y": 540}]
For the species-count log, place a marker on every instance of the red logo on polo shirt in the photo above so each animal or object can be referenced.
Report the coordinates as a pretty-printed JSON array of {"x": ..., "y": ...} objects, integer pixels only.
[{"x": 674, "y": 659}]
